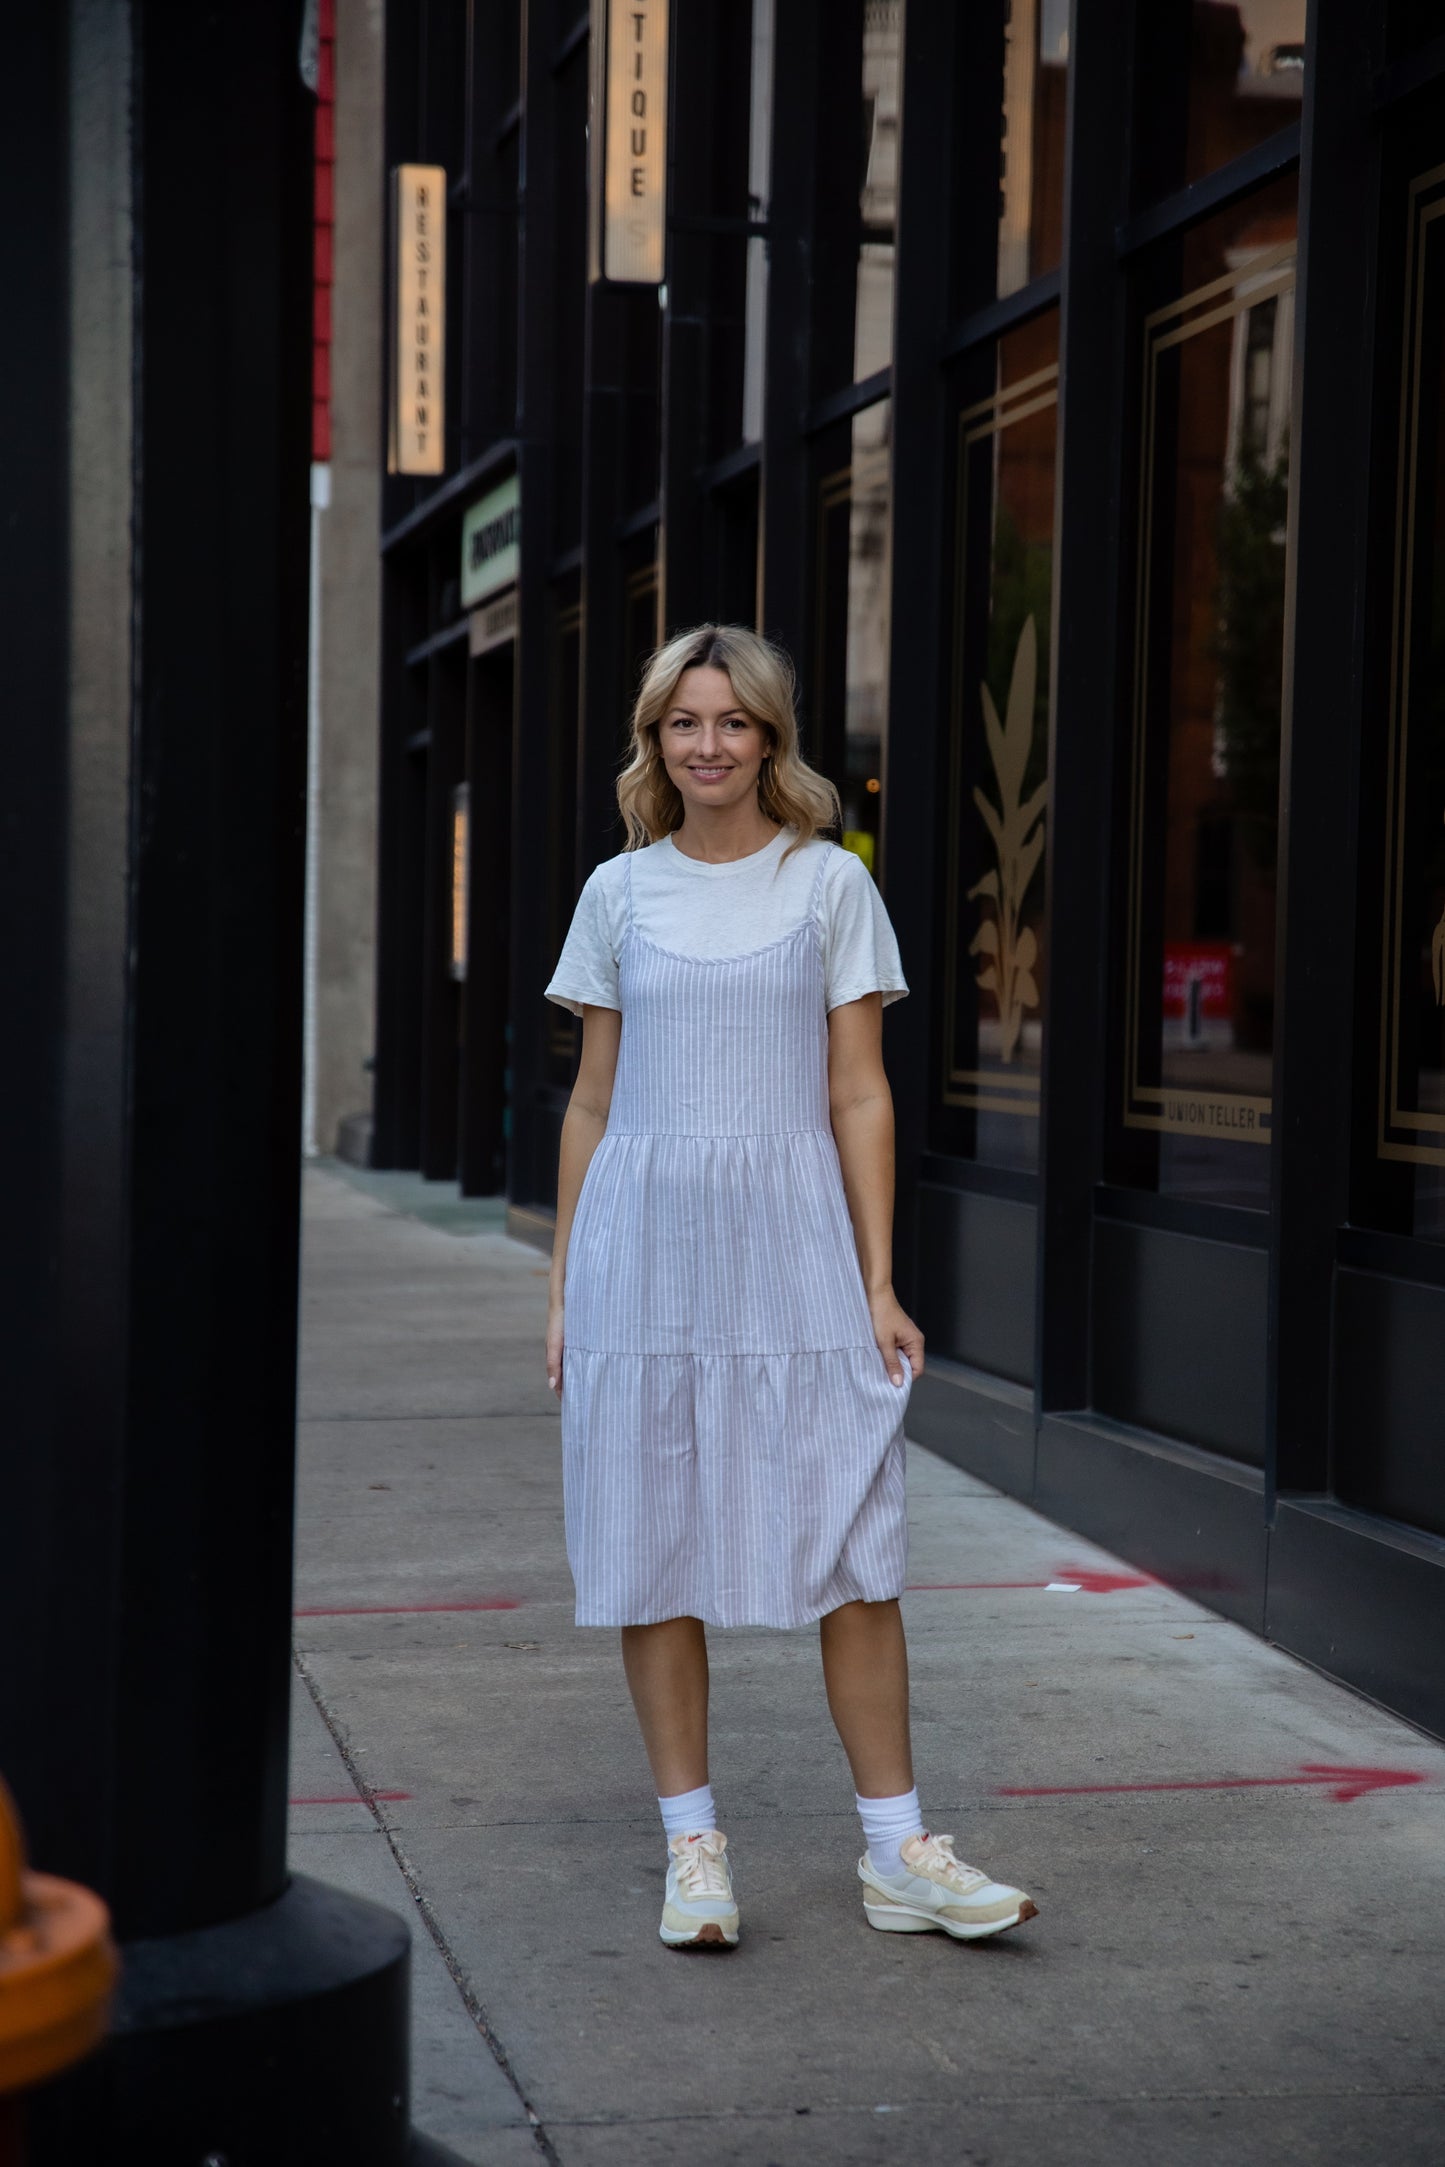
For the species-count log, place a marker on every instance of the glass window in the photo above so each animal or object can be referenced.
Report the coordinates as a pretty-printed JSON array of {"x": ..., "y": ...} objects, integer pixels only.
[
  {"x": 1410, "y": 23},
  {"x": 1246, "y": 77},
  {"x": 1410, "y": 1132},
  {"x": 1031, "y": 154},
  {"x": 878, "y": 189},
  {"x": 565, "y": 696},
  {"x": 1203, "y": 769},
  {"x": 640, "y": 633},
  {"x": 851, "y": 676},
  {"x": 760, "y": 160},
  {"x": 995, "y": 782}
]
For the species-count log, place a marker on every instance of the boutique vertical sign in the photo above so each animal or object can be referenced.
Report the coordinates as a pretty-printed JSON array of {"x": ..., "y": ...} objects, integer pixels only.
[
  {"x": 417, "y": 433},
  {"x": 629, "y": 140}
]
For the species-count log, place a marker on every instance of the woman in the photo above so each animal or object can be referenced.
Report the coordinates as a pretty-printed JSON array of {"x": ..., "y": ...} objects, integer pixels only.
[{"x": 736, "y": 1363}]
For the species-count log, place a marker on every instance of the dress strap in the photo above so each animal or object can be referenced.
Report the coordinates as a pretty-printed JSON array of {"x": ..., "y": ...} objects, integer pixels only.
[
  {"x": 627, "y": 862},
  {"x": 825, "y": 859}
]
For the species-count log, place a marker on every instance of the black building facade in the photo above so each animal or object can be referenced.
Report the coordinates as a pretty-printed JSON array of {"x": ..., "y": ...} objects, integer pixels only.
[{"x": 1063, "y": 385}]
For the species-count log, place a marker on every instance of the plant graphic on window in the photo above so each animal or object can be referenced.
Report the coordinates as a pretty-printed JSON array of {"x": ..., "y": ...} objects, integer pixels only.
[{"x": 1016, "y": 829}]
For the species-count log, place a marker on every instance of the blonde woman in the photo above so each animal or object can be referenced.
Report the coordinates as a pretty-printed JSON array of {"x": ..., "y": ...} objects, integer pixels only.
[{"x": 732, "y": 1361}]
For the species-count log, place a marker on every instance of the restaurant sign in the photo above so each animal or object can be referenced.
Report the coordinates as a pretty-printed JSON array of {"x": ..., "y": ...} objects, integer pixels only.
[{"x": 416, "y": 436}]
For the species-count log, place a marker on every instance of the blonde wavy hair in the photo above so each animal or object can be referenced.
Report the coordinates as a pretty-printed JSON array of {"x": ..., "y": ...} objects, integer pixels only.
[{"x": 790, "y": 792}]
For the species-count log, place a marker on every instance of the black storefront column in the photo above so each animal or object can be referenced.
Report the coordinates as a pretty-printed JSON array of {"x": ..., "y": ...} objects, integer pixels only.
[
  {"x": 785, "y": 513},
  {"x": 1324, "y": 693},
  {"x": 155, "y": 551},
  {"x": 918, "y": 615},
  {"x": 1086, "y": 672}
]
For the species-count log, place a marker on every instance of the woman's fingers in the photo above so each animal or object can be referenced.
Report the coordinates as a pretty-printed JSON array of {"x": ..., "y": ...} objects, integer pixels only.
[{"x": 910, "y": 1345}]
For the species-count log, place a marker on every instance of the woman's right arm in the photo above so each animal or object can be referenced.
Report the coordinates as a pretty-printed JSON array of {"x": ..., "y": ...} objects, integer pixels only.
[{"x": 582, "y": 1130}]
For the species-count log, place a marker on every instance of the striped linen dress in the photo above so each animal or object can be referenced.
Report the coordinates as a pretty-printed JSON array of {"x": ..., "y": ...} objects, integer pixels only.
[{"x": 732, "y": 1443}]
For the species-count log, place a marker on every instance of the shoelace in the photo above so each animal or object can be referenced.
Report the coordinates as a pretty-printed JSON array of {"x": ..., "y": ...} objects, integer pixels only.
[
  {"x": 700, "y": 1869},
  {"x": 937, "y": 1853}
]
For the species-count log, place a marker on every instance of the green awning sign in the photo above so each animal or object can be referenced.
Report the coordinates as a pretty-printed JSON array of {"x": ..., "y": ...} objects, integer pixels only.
[{"x": 491, "y": 538}]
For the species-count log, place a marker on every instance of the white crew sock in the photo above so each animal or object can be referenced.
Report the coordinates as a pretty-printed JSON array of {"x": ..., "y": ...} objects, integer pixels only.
[
  {"x": 887, "y": 1823},
  {"x": 688, "y": 1813}
]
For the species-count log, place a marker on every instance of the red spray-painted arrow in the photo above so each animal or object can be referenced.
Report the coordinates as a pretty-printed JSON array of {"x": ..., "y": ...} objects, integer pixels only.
[
  {"x": 1084, "y": 1578},
  {"x": 1343, "y": 1784}
]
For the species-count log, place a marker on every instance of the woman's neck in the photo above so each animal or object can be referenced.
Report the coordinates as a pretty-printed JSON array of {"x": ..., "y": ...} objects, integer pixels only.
[{"x": 720, "y": 836}]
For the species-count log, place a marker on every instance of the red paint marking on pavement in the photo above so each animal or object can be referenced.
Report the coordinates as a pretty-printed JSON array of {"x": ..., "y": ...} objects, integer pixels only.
[
  {"x": 1085, "y": 1579},
  {"x": 405, "y": 1610},
  {"x": 1343, "y": 1784},
  {"x": 353, "y": 1798}
]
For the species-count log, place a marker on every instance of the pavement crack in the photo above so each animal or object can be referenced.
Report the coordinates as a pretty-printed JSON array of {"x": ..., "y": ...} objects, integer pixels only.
[{"x": 470, "y": 2003}]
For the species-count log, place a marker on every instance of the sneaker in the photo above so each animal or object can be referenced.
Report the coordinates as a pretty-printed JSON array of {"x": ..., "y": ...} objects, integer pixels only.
[
  {"x": 699, "y": 1910},
  {"x": 937, "y": 1890}
]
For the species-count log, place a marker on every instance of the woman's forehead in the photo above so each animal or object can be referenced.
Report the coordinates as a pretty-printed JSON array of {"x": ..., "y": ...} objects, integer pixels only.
[{"x": 705, "y": 688}]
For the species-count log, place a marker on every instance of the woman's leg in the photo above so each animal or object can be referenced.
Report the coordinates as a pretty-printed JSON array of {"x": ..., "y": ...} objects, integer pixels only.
[
  {"x": 666, "y": 1668},
  {"x": 865, "y": 1669}
]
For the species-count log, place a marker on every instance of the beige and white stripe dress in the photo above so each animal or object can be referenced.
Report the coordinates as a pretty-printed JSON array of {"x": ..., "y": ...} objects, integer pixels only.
[{"x": 732, "y": 1444}]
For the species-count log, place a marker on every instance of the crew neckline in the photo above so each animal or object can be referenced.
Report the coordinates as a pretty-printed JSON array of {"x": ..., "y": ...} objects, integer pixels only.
[{"x": 728, "y": 865}]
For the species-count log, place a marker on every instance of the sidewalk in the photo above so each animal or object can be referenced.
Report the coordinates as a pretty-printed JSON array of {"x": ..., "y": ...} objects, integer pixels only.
[{"x": 1239, "y": 1960}]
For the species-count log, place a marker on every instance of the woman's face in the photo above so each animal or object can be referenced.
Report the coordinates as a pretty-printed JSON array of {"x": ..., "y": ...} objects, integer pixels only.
[{"x": 710, "y": 748}]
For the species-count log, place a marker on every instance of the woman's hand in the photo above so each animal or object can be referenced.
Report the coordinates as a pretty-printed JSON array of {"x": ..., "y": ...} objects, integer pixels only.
[
  {"x": 896, "y": 1333},
  {"x": 554, "y": 1346}
]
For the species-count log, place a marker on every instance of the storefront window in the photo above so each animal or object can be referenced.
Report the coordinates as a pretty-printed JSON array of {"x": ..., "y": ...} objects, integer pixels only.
[
  {"x": 1246, "y": 77},
  {"x": 852, "y": 641},
  {"x": 995, "y": 784},
  {"x": 565, "y": 695},
  {"x": 640, "y": 634},
  {"x": 760, "y": 161},
  {"x": 1204, "y": 777},
  {"x": 878, "y": 191},
  {"x": 1411, "y": 1123},
  {"x": 1031, "y": 156}
]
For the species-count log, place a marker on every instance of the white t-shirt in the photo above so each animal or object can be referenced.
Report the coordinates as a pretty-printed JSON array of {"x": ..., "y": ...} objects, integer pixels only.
[{"x": 729, "y": 910}]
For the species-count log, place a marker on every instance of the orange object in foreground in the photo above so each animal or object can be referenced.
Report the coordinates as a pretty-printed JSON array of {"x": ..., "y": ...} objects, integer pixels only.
[{"x": 57, "y": 1966}]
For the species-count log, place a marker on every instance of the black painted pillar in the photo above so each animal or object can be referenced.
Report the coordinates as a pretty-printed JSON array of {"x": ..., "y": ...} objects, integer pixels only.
[
  {"x": 152, "y": 778},
  {"x": 1086, "y": 672},
  {"x": 785, "y": 515},
  {"x": 1315, "y": 931},
  {"x": 919, "y": 614}
]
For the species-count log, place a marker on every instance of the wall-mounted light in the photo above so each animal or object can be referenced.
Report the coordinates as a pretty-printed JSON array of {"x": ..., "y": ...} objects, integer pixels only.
[
  {"x": 461, "y": 876},
  {"x": 628, "y": 193}
]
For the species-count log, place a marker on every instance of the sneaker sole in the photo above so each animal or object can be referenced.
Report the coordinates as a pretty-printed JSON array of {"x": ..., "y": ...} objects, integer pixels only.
[
  {"x": 900, "y": 1919},
  {"x": 710, "y": 1935}
]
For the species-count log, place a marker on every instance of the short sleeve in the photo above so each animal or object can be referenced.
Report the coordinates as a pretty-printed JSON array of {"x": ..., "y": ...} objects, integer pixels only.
[
  {"x": 586, "y": 973},
  {"x": 860, "y": 948}
]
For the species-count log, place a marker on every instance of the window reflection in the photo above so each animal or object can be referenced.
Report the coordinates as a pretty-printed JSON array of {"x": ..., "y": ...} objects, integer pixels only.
[
  {"x": 852, "y": 656},
  {"x": 996, "y": 780},
  {"x": 760, "y": 148},
  {"x": 1246, "y": 77},
  {"x": 1031, "y": 155},
  {"x": 1204, "y": 811},
  {"x": 878, "y": 191},
  {"x": 565, "y": 692}
]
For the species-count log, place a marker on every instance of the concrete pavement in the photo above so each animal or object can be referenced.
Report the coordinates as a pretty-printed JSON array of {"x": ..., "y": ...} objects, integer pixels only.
[{"x": 1246, "y": 1969}]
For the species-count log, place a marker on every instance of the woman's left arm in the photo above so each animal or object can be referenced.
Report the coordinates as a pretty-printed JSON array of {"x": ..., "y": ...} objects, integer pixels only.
[{"x": 861, "y": 1108}]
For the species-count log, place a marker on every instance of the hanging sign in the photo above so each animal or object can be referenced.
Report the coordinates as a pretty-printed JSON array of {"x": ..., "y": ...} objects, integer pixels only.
[
  {"x": 419, "y": 284},
  {"x": 492, "y": 541},
  {"x": 629, "y": 140}
]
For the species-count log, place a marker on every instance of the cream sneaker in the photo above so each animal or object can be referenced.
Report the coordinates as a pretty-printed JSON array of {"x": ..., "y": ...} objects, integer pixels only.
[
  {"x": 699, "y": 1910},
  {"x": 937, "y": 1890}
]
